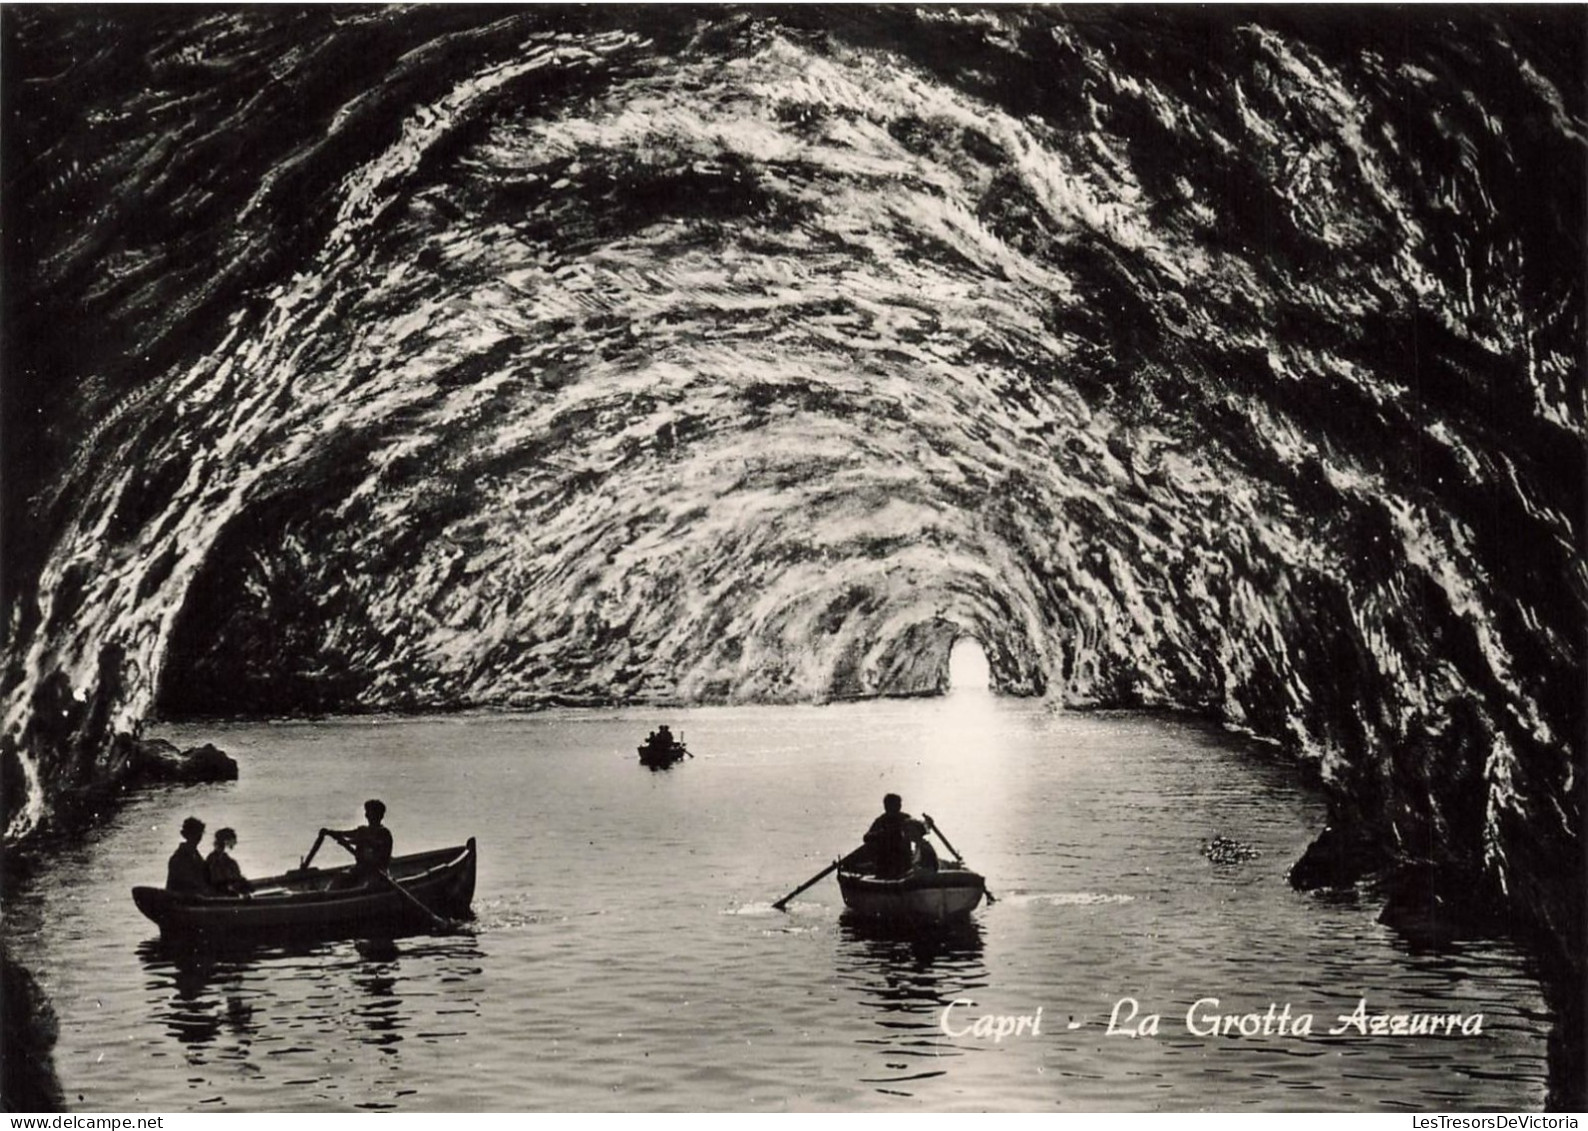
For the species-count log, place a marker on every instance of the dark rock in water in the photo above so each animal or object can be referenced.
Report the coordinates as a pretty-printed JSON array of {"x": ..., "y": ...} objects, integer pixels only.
[
  {"x": 1425, "y": 901},
  {"x": 1338, "y": 858},
  {"x": 1423, "y": 897},
  {"x": 28, "y": 1030},
  {"x": 156, "y": 760},
  {"x": 131, "y": 763}
]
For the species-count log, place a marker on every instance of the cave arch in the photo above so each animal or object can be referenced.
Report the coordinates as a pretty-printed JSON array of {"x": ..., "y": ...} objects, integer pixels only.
[{"x": 968, "y": 667}]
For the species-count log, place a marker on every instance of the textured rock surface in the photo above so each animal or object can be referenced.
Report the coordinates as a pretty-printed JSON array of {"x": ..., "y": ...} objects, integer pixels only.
[
  {"x": 154, "y": 760},
  {"x": 28, "y": 1031},
  {"x": 372, "y": 360}
]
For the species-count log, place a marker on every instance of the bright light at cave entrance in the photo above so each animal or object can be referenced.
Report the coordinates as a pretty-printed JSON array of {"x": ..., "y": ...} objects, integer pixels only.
[{"x": 967, "y": 668}]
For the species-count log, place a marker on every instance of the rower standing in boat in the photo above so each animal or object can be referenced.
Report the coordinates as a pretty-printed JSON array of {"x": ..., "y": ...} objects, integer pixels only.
[
  {"x": 370, "y": 844},
  {"x": 185, "y": 870},
  {"x": 224, "y": 874},
  {"x": 897, "y": 841}
]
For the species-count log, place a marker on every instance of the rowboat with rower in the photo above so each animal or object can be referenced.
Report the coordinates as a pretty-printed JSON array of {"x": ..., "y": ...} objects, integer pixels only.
[{"x": 897, "y": 876}]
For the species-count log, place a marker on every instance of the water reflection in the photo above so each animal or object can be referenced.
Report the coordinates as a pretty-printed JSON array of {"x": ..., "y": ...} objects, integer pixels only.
[
  {"x": 224, "y": 1002},
  {"x": 908, "y": 977},
  {"x": 199, "y": 994}
]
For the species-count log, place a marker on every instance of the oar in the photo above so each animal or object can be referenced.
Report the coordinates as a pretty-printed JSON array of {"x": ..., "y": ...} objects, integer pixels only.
[
  {"x": 931, "y": 824},
  {"x": 303, "y": 865},
  {"x": 436, "y": 920},
  {"x": 780, "y": 905}
]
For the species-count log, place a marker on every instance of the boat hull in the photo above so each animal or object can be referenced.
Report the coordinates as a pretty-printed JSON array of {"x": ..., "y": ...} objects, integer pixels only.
[
  {"x": 659, "y": 763},
  {"x": 948, "y": 894},
  {"x": 660, "y": 757},
  {"x": 312, "y": 903}
]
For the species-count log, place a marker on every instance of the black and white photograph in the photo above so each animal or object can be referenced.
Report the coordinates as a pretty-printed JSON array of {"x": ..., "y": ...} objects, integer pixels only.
[{"x": 812, "y": 558}]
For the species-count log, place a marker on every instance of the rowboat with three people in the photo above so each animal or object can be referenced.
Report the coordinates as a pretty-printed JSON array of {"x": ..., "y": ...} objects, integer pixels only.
[{"x": 425, "y": 889}]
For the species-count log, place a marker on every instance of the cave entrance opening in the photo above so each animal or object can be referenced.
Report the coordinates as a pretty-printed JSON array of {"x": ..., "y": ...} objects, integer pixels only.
[{"x": 968, "y": 670}]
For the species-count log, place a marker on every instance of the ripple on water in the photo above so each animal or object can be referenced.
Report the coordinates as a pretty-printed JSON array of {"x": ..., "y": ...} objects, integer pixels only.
[{"x": 1062, "y": 898}]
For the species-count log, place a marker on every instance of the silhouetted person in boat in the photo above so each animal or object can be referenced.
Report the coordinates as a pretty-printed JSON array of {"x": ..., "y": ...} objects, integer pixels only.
[
  {"x": 896, "y": 840},
  {"x": 370, "y": 845},
  {"x": 185, "y": 870},
  {"x": 661, "y": 744},
  {"x": 224, "y": 874}
]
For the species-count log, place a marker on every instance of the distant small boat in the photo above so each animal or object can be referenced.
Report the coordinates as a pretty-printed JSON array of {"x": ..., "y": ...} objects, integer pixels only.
[
  {"x": 950, "y": 892},
  {"x": 662, "y": 749},
  {"x": 307, "y": 902}
]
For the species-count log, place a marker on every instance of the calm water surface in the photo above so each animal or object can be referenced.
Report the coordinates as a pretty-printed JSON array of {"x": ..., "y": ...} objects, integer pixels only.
[{"x": 626, "y": 954}]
